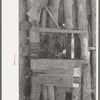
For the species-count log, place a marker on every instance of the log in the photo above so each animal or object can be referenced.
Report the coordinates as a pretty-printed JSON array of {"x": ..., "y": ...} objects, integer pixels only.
[
  {"x": 34, "y": 40},
  {"x": 85, "y": 54},
  {"x": 68, "y": 22},
  {"x": 54, "y": 8},
  {"x": 76, "y": 92},
  {"x": 43, "y": 24},
  {"x": 22, "y": 54},
  {"x": 94, "y": 2}
]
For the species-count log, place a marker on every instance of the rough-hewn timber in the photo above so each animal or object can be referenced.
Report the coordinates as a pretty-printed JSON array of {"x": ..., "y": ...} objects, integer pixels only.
[{"x": 85, "y": 54}]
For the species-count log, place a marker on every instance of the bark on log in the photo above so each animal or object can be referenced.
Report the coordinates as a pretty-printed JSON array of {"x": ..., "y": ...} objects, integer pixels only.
[
  {"x": 82, "y": 24},
  {"x": 22, "y": 58},
  {"x": 93, "y": 2}
]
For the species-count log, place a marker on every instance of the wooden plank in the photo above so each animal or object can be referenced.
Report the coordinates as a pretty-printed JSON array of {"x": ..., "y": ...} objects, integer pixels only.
[
  {"x": 54, "y": 30},
  {"x": 58, "y": 80},
  {"x": 55, "y": 63},
  {"x": 92, "y": 48},
  {"x": 53, "y": 80},
  {"x": 54, "y": 71}
]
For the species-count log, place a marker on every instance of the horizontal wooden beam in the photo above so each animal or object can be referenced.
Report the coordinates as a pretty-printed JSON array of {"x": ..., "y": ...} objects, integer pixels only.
[
  {"x": 44, "y": 64},
  {"x": 53, "y": 30},
  {"x": 92, "y": 48},
  {"x": 56, "y": 80}
]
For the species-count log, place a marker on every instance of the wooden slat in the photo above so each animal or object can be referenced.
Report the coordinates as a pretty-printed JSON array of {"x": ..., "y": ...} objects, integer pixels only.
[
  {"x": 58, "y": 30},
  {"x": 60, "y": 80},
  {"x": 92, "y": 48},
  {"x": 54, "y": 72},
  {"x": 55, "y": 64},
  {"x": 53, "y": 80}
]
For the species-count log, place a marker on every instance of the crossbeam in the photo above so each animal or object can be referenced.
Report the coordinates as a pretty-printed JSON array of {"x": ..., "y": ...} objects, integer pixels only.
[{"x": 53, "y": 30}]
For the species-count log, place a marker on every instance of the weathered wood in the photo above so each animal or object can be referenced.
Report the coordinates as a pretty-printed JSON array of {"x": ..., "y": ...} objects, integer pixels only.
[
  {"x": 51, "y": 94},
  {"x": 76, "y": 92},
  {"x": 54, "y": 8},
  {"x": 52, "y": 17},
  {"x": 68, "y": 22},
  {"x": 55, "y": 63},
  {"x": 55, "y": 80},
  {"x": 92, "y": 48},
  {"x": 22, "y": 57},
  {"x": 34, "y": 39},
  {"x": 59, "y": 30},
  {"x": 44, "y": 92},
  {"x": 24, "y": 26},
  {"x": 94, "y": 4},
  {"x": 82, "y": 24},
  {"x": 43, "y": 24}
]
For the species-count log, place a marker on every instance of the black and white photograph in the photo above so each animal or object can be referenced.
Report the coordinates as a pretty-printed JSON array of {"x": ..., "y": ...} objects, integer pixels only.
[
  {"x": 55, "y": 53},
  {"x": 57, "y": 49}
]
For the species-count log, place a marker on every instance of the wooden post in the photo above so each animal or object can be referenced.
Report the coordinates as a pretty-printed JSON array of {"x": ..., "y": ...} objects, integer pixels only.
[
  {"x": 22, "y": 54},
  {"x": 34, "y": 40},
  {"x": 85, "y": 54},
  {"x": 69, "y": 16},
  {"x": 93, "y": 2},
  {"x": 43, "y": 24},
  {"x": 68, "y": 4},
  {"x": 76, "y": 92},
  {"x": 54, "y": 8}
]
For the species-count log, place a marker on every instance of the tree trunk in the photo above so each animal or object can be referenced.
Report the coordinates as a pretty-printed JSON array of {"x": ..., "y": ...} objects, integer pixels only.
[
  {"x": 23, "y": 54},
  {"x": 85, "y": 54},
  {"x": 93, "y": 2}
]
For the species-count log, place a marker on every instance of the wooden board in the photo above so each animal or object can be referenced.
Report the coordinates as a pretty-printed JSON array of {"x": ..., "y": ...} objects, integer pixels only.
[
  {"x": 55, "y": 63},
  {"x": 59, "y": 80},
  {"x": 56, "y": 72}
]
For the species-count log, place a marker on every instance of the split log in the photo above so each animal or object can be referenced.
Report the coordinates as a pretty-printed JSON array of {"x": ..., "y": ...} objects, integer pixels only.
[
  {"x": 85, "y": 54},
  {"x": 93, "y": 2},
  {"x": 34, "y": 40}
]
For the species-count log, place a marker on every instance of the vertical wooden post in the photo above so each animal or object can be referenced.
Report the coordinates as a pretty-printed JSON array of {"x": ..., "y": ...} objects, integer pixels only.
[
  {"x": 68, "y": 14},
  {"x": 68, "y": 22},
  {"x": 93, "y": 2},
  {"x": 22, "y": 57},
  {"x": 34, "y": 41},
  {"x": 76, "y": 92},
  {"x": 54, "y": 8},
  {"x": 82, "y": 24},
  {"x": 43, "y": 24}
]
